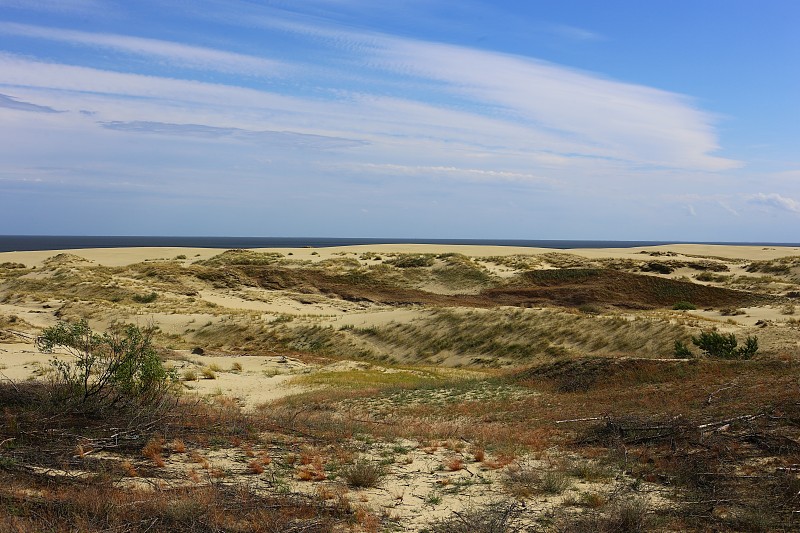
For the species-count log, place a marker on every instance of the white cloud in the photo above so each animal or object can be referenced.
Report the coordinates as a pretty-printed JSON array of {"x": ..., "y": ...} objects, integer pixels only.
[
  {"x": 596, "y": 116},
  {"x": 514, "y": 119},
  {"x": 174, "y": 53},
  {"x": 618, "y": 120},
  {"x": 471, "y": 174},
  {"x": 575, "y": 33},
  {"x": 415, "y": 128},
  {"x": 56, "y": 6},
  {"x": 728, "y": 208},
  {"x": 775, "y": 201},
  {"x": 12, "y": 103}
]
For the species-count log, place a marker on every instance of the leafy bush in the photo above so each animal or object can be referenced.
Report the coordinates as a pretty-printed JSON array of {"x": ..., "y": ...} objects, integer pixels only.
[
  {"x": 684, "y": 306},
  {"x": 120, "y": 365},
  {"x": 721, "y": 346}
]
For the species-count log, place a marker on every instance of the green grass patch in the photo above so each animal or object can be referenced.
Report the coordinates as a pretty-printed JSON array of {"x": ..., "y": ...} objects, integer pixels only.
[{"x": 369, "y": 379}]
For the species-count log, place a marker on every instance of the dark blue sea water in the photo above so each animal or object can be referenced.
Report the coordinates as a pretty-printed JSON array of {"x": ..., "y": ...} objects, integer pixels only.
[{"x": 10, "y": 243}]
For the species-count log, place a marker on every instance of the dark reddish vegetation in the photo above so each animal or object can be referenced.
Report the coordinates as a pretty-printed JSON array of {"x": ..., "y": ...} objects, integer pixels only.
[{"x": 562, "y": 287}]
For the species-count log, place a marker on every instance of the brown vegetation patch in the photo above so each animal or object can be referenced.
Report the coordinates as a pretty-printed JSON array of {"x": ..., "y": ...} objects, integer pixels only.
[
  {"x": 576, "y": 287},
  {"x": 564, "y": 287}
]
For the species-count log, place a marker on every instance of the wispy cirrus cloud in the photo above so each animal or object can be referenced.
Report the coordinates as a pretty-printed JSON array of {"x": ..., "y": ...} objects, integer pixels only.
[
  {"x": 283, "y": 139},
  {"x": 55, "y": 6},
  {"x": 574, "y": 33},
  {"x": 452, "y": 172},
  {"x": 12, "y": 103},
  {"x": 775, "y": 201},
  {"x": 178, "y": 54},
  {"x": 596, "y": 116},
  {"x": 610, "y": 118}
]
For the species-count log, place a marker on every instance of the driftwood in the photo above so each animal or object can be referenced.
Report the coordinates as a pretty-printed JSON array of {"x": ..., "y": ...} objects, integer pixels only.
[
  {"x": 590, "y": 419},
  {"x": 727, "y": 386}
]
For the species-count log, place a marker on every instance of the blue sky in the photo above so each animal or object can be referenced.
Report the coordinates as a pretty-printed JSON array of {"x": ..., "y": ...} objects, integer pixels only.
[{"x": 657, "y": 120}]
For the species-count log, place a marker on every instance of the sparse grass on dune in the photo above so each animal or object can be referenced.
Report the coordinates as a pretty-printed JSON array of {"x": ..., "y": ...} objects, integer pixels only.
[
  {"x": 242, "y": 257},
  {"x": 523, "y": 335}
]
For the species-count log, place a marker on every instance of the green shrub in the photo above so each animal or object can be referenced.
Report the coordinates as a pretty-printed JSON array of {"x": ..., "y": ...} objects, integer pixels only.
[
  {"x": 660, "y": 268},
  {"x": 721, "y": 346},
  {"x": 684, "y": 306},
  {"x": 145, "y": 298},
  {"x": 412, "y": 261},
  {"x": 708, "y": 276},
  {"x": 682, "y": 351},
  {"x": 115, "y": 367}
]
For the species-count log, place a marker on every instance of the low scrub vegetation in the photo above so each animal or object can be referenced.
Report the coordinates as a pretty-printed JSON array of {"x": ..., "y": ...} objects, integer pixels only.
[
  {"x": 363, "y": 474},
  {"x": 119, "y": 366}
]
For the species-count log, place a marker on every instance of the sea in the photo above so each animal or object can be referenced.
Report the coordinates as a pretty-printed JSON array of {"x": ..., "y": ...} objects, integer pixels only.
[{"x": 20, "y": 243}]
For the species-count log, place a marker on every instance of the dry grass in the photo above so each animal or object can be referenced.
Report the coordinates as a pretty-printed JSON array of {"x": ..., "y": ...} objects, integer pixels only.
[
  {"x": 496, "y": 517},
  {"x": 363, "y": 474},
  {"x": 44, "y": 436},
  {"x": 518, "y": 336}
]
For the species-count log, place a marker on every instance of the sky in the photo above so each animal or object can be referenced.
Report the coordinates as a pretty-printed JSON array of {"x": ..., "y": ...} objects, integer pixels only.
[{"x": 666, "y": 120}]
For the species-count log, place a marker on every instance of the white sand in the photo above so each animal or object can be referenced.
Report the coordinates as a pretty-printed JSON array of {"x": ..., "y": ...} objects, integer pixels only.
[{"x": 126, "y": 256}]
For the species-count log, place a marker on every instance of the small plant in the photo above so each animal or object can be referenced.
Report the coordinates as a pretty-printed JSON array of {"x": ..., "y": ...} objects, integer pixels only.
[
  {"x": 255, "y": 467},
  {"x": 433, "y": 499},
  {"x": 208, "y": 373},
  {"x": 454, "y": 464},
  {"x": 189, "y": 375},
  {"x": 479, "y": 454},
  {"x": 496, "y": 517},
  {"x": 684, "y": 306},
  {"x": 153, "y": 450},
  {"x": 363, "y": 474},
  {"x": 628, "y": 516},
  {"x": 554, "y": 482},
  {"x": 589, "y": 471},
  {"x": 236, "y": 367},
  {"x": 129, "y": 469},
  {"x": 522, "y": 481},
  {"x": 592, "y": 500}
]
